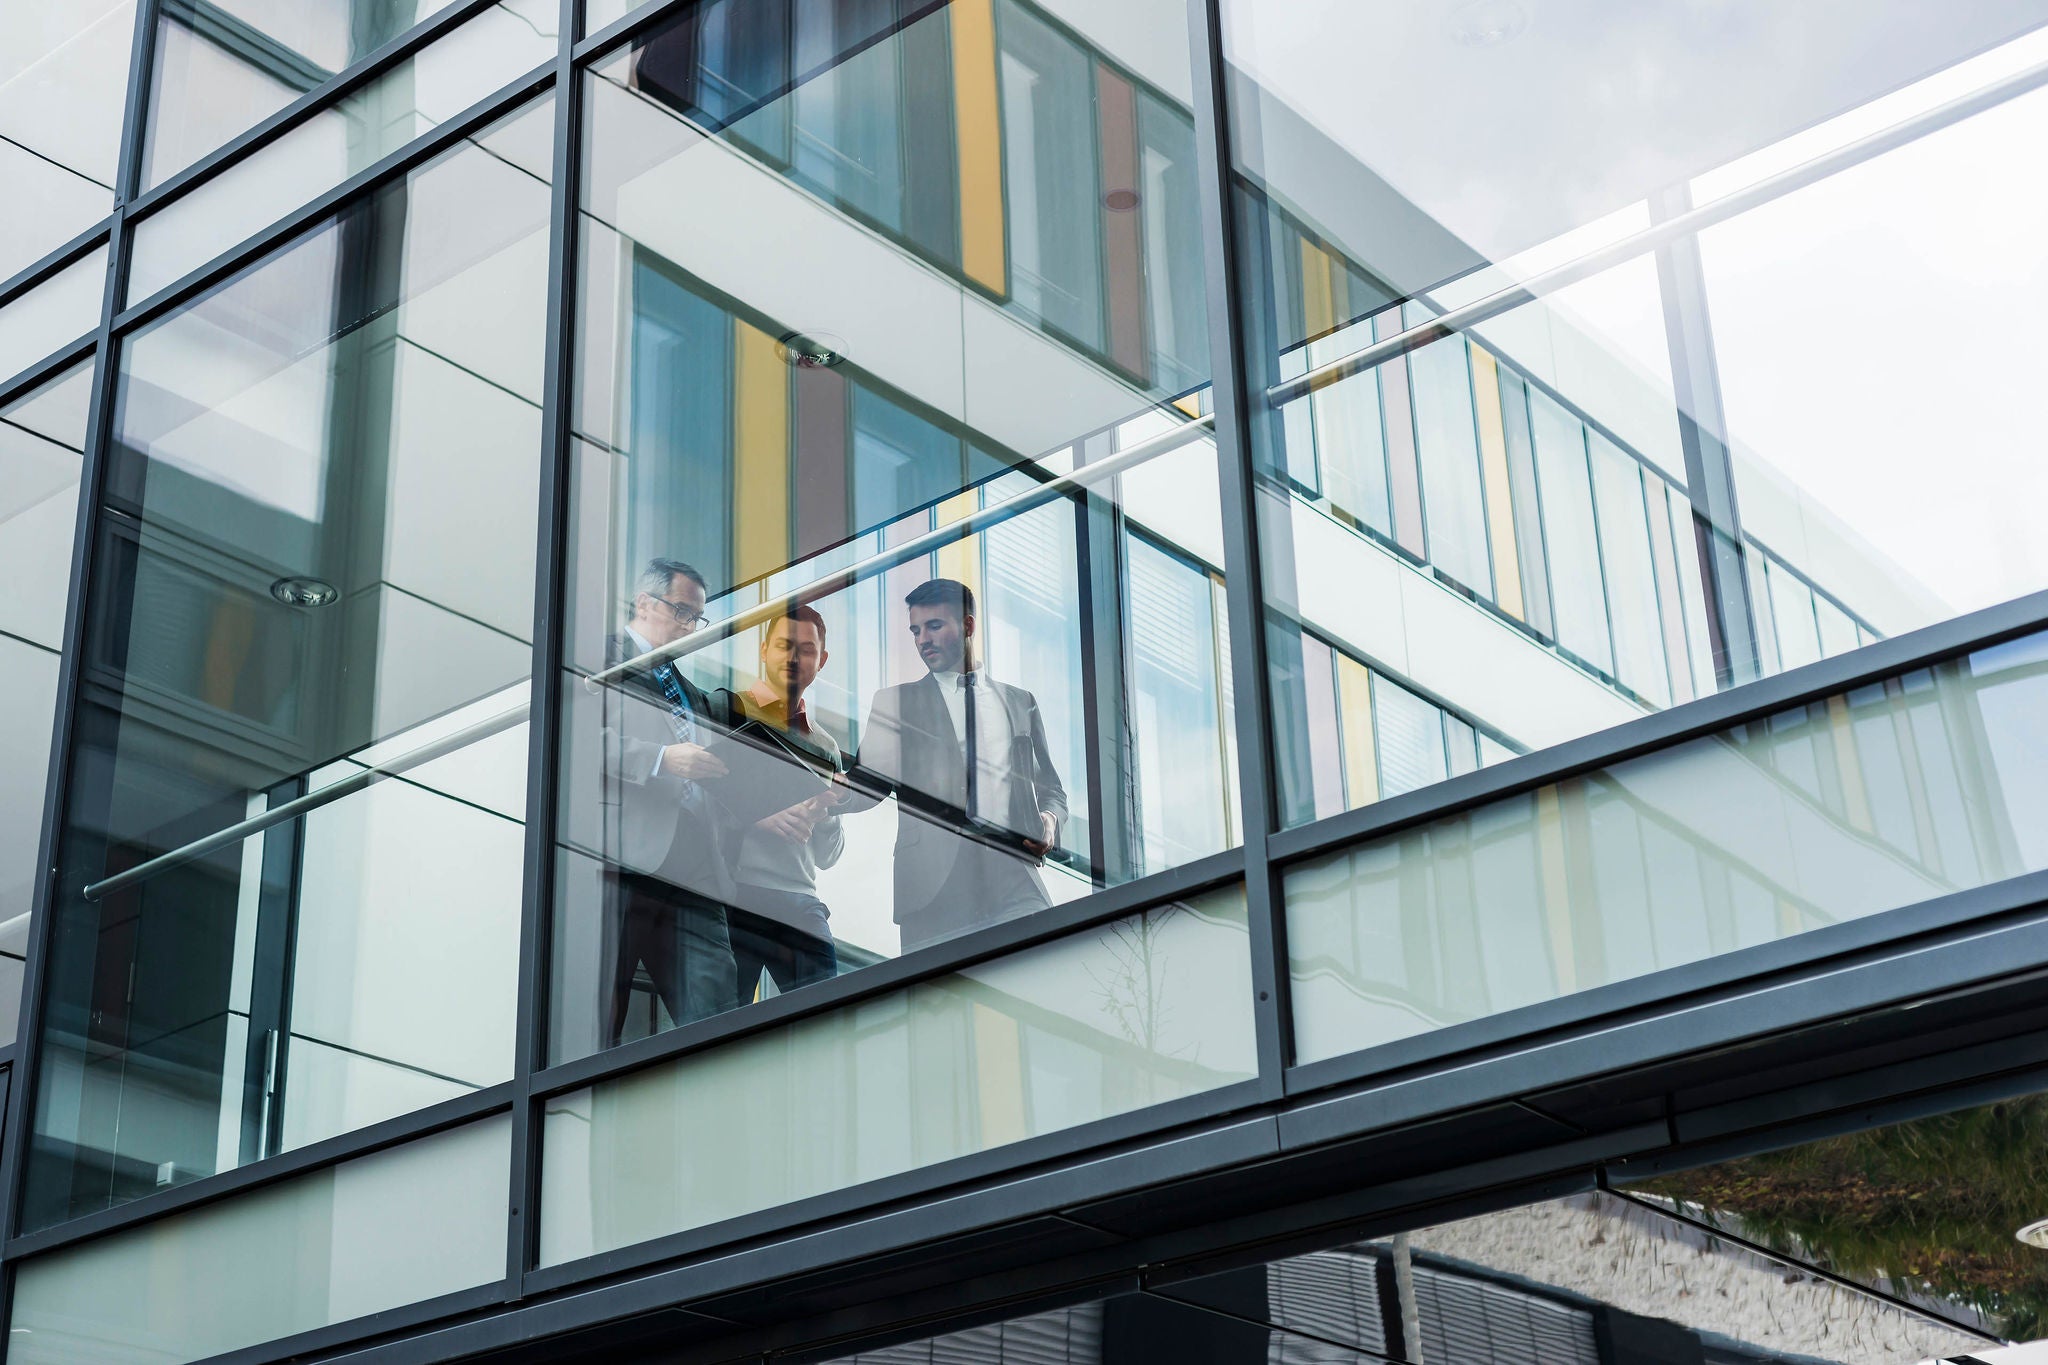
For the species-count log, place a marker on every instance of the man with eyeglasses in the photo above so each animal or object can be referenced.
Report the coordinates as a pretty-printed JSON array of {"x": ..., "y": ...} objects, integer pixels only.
[{"x": 669, "y": 891}]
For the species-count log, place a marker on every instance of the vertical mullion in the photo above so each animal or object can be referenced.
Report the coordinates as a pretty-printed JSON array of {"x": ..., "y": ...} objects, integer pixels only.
[
  {"x": 1702, "y": 428},
  {"x": 71, "y": 666},
  {"x": 544, "y": 725},
  {"x": 1242, "y": 578}
]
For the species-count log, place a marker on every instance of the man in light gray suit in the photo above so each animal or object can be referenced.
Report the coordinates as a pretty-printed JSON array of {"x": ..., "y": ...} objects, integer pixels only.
[
  {"x": 671, "y": 881},
  {"x": 978, "y": 802}
]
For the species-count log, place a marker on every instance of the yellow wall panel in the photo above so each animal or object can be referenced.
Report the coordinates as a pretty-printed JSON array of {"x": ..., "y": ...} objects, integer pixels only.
[
  {"x": 1354, "y": 711},
  {"x": 977, "y": 125},
  {"x": 760, "y": 454},
  {"x": 1493, "y": 463}
]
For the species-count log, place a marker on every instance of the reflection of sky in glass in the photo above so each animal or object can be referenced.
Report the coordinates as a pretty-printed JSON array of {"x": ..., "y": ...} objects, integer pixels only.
[{"x": 2016, "y": 725}]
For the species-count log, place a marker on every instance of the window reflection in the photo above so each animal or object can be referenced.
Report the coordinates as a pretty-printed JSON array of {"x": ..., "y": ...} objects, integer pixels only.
[
  {"x": 1635, "y": 489},
  {"x": 42, "y": 437},
  {"x": 222, "y": 68},
  {"x": 63, "y": 85},
  {"x": 1895, "y": 793},
  {"x": 891, "y": 323},
  {"x": 316, "y": 558}
]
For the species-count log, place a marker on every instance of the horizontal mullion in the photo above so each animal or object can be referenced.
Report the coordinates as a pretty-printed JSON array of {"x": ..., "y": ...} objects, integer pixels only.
[
  {"x": 621, "y": 30},
  {"x": 477, "y": 116},
  {"x": 1701, "y": 718},
  {"x": 48, "y": 368},
  {"x": 896, "y": 973},
  {"x": 355, "y": 1331},
  {"x": 28, "y": 277},
  {"x": 670, "y": 1291},
  {"x": 1983, "y": 946},
  {"x": 391, "y": 1132},
  {"x": 777, "y": 1223},
  {"x": 299, "y": 110},
  {"x": 1653, "y": 995}
]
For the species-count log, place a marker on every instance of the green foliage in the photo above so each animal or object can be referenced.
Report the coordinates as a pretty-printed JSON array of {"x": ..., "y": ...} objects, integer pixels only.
[{"x": 1929, "y": 1206}]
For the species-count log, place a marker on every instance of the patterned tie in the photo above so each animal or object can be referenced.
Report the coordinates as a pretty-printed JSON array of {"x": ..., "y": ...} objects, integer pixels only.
[{"x": 682, "y": 719}]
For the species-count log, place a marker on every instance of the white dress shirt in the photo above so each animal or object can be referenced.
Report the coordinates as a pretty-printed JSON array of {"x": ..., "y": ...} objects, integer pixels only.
[{"x": 991, "y": 744}]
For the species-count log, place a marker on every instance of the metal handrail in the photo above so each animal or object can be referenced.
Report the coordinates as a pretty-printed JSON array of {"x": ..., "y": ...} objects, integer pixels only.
[
  {"x": 1081, "y": 477},
  {"x": 979, "y": 520},
  {"x": 1740, "y": 201}
]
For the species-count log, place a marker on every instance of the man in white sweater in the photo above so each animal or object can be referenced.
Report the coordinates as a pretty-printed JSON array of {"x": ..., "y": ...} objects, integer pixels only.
[{"x": 780, "y": 935}]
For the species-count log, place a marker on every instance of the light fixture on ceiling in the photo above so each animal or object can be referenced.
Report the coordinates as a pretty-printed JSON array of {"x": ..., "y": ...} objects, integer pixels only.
[
  {"x": 1489, "y": 23},
  {"x": 1120, "y": 201},
  {"x": 811, "y": 350},
  {"x": 304, "y": 592},
  {"x": 2034, "y": 1234}
]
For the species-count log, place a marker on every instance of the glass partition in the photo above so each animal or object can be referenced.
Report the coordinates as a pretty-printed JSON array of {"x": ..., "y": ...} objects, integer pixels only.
[
  {"x": 1138, "y": 1012},
  {"x": 63, "y": 84},
  {"x": 53, "y": 314},
  {"x": 42, "y": 436},
  {"x": 316, "y": 557},
  {"x": 221, "y": 69},
  {"x": 827, "y": 311},
  {"x": 369, "y": 1235},
  {"x": 1636, "y": 464},
  {"x": 1895, "y": 793},
  {"x": 355, "y": 132}
]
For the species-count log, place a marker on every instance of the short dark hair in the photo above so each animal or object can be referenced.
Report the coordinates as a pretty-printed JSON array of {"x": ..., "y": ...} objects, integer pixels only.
[
  {"x": 809, "y": 615},
  {"x": 658, "y": 579},
  {"x": 943, "y": 592}
]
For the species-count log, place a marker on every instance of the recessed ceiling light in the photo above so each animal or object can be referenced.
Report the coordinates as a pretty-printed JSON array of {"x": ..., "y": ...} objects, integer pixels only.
[
  {"x": 811, "y": 350},
  {"x": 2035, "y": 1234},
  {"x": 303, "y": 592},
  {"x": 1489, "y": 23}
]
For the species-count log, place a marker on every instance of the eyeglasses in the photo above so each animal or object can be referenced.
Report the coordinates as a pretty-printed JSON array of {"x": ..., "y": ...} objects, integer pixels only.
[{"x": 687, "y": 617}]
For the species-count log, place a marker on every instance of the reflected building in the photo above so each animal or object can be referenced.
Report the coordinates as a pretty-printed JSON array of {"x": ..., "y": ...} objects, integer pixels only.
[{"x": 1000, "y": 680}]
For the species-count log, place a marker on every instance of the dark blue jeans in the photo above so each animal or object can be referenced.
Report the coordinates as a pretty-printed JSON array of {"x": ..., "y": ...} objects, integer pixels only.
[{"x": 789, "y": 955}]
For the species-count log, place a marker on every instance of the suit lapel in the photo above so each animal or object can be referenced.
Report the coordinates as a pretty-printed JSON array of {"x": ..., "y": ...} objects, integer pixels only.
[{"x": 945, "y": 776}]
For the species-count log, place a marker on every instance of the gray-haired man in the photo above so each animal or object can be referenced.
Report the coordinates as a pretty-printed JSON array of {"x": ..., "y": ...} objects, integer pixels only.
[{"x": 668, "y": 890}]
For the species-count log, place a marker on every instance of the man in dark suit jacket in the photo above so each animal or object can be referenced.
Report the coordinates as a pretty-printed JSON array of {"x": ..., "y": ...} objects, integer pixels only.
[
  {"x": 671, "y": 875},
  {"x": 978, "y": 802}
]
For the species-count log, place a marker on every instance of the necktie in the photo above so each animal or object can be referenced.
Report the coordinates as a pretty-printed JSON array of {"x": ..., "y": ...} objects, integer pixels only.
[
  {"x": 973, "y": 737},
  {"x": 682, "y": 720}
]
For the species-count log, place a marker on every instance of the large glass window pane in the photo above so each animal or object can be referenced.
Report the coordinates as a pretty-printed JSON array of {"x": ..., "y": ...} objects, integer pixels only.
[
  {"x": 1685, "y": 490},
  {"x": 56, "y": 312},
  {"x": 63, "y": 85},
  {"x": 1813, "y": 817},
  {"x": 221, "y": 69},
  {"x": 1142, "y": 1011},
  {"x": 317, "y": 557},
  {"x": 376, "y": 1233},
  {"x": 41, "y": 439},
  {"x": 804, "y": 389},
  {"x": 355, "y": 132}
]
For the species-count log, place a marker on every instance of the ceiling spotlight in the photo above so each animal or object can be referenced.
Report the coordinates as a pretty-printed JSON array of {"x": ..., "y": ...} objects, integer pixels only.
[
  {"x": 811, "y": 350},
  {"x": 1120, "y": 201},
  {"x": 2035, "y": 1234},
  {"x": 1489, "y": 23},
  {"x": 303, "y": 592}
]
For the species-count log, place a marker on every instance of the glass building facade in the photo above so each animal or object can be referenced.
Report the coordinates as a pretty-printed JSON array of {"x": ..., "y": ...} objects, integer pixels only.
[{"x": 1013, "y": 680}]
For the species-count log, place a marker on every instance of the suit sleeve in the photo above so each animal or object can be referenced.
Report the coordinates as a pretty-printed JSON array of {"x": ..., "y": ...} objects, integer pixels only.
[
  {"x": 1052, "y": 795},
  {"x": 878, "y": 765}
]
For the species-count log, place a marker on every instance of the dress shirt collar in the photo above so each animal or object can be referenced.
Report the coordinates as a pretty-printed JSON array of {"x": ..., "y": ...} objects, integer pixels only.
[{"x": 769, "y": 700}]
